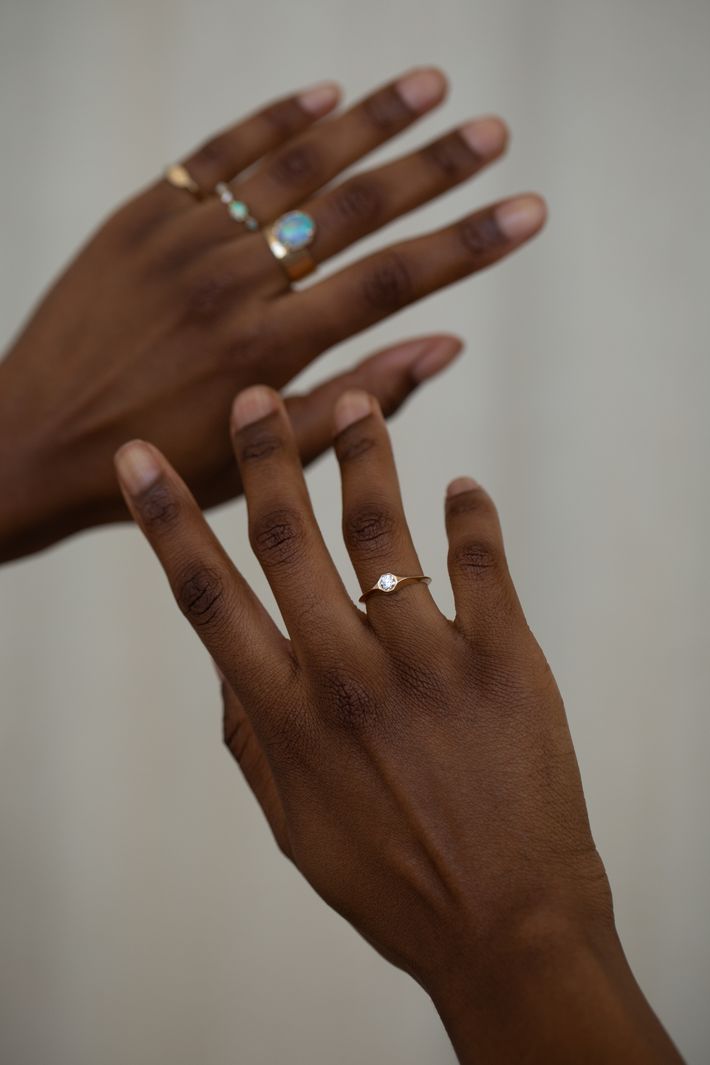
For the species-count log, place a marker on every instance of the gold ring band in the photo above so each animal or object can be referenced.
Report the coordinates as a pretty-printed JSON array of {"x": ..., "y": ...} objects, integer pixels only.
[
  {"x": 288, "y": 239},
  {"x": 390, "y": 582},
  {"x": 180, "y": 178}
]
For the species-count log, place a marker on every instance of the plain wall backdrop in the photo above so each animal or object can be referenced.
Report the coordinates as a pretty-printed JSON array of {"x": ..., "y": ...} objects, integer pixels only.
[{"x": 146, "y": 917}]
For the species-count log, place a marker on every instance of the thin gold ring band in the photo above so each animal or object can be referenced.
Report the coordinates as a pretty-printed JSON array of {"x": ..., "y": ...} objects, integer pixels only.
[
  {"x": 390, "y": 582},
  {"x": 180, "y": 178}
]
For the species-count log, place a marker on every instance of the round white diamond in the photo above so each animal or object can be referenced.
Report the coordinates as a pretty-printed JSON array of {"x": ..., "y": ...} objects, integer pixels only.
[{"x": 387, "y": 582}]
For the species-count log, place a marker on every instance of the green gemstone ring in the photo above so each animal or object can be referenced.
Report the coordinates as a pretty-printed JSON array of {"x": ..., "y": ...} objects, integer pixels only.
[{"x": 237, "y": 208}]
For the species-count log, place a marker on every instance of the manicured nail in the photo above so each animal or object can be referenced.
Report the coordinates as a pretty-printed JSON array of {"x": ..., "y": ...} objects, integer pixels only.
[
  {"x": 321, "y": 98},
  {"x": 438, "y": 355},
  {"x": 486, "y": 136},
  {"x": 521, "y": 217},
  {"x": 252, "y": 405},
  {"x": 137, "y": 466},
  {"x": 461, "y": 484},
  {"x": 421, "y": 89},
  {"x": 351, "y": 407}
]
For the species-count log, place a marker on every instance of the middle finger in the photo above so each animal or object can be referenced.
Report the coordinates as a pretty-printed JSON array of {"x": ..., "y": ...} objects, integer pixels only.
[
  {"x": 371, "y": 200},
  {"x": 315, "y": 157},
  {"x": 283, "y": 530}
]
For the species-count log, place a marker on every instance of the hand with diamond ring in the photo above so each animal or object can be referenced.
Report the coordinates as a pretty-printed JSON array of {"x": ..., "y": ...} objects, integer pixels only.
[
  {"x": 177, "y": 301},
  {"x": 419, "y": 772}
]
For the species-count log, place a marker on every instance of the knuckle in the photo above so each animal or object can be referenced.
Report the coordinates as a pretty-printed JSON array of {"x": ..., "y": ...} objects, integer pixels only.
[
  {"x": 481, "y": 235},
  {"x": 350, "y": 703},
  {"x": 207, "y": 294},
  {"x": 388, "y": 285},
  {"x": 353, "y": 444},
  {"x": 285, "y": 116},
  {"x": 277, "y": 536},
  {"x": 478, "y": 558},
  {"x": 421, "y": 682},
  {"x": 450, "y": 156},
  {"x": 159, "y": 508},
  {"x": 200, "y": 594},
  {"x": 258, "y": 443},
  {"x": 296, "y": 165},
  {"x": 214, "y": 152},
  {"x": 386, "y": 110},
  {"x": 257, "y": 344},
  {"x": 370, "y": 529},
  {"x": 359, "y": 201},
  {"x": 474, "y": 501},
  {"x": 171, "y": 256},
  {"x": 136, "y": 222}
]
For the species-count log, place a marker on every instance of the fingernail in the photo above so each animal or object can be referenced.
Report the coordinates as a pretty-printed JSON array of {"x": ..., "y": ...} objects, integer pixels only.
[
  {"x": 486, "y": 136},
  {"x": 351, "y": 407},
  {"x": 252, "y": 405},
  {"x": 521, "y": 217},
  {"x": 137, "y": 466},
  {"x": 321, "y": 98},
  {"x": 440, "y": 354},
  {"x": 421, "y": 89},
  {"x": 461, "y": 484}
]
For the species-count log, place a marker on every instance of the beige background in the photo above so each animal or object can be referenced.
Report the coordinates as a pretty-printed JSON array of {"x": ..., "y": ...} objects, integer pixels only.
[{"x": 145, "y": 916}]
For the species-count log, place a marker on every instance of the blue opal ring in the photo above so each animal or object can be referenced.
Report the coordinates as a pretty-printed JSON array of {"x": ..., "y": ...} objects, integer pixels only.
[
  {"x": 289, "y": 238},
  {"x": 237, "y": 208}
]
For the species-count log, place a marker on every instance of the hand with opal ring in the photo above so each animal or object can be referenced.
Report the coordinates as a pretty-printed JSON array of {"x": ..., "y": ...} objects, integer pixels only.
[
  {"x": 419, "y": 772},
  {"x": 178, "y": 301}
]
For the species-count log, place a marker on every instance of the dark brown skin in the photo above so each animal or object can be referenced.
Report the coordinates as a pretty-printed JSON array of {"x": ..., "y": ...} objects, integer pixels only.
[
  {"x": 418, "y": 771},
  {"x": 173, "y": 305}
]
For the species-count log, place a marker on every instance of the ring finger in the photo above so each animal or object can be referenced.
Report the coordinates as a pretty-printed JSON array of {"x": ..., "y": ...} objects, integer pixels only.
[
  {"x": 385, "y": 282},
  {"x": 375, "y": 529},
  {"x": 371, "y": 200}
]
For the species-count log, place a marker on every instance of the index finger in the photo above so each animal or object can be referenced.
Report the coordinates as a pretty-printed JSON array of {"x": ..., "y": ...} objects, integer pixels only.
[{"x": 216, "y": 600}]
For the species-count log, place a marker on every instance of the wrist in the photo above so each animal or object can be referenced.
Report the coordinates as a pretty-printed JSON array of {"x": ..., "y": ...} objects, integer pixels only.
[
  {"x": 551, "y": 989},
  {"x": 24, "y": 513},
  {"x": 34, "y": 488}
]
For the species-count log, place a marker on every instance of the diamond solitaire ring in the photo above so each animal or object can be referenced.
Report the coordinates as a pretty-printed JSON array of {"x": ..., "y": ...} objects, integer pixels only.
[
  {"x": 288, "y": 238},
  {"x": 390, "y": 582}
]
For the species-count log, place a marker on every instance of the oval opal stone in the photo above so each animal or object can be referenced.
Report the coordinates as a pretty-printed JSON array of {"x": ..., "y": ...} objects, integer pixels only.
[{"x": 295, "y": 230}]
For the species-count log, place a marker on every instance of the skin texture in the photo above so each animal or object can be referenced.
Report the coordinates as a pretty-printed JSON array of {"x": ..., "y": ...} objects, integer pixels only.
[
  {"x": 173, "y": 305},
  {"x": 418, "y": 771}
]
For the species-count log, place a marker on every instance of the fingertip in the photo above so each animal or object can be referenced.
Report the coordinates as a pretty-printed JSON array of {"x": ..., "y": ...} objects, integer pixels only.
[
  {"x": 460, "y": 485},
  {"x": 488, "y": 136},
  {"x": 522, "y": 217},
  {"x": 252, "y": 405},
  {"x": 423, "y": 88},
  {"x": 352, "y": 407},
  {"x": 439, "y": 354},
  {"x": 319, "y": 99},
  {"x": 138, "y": 465}
]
